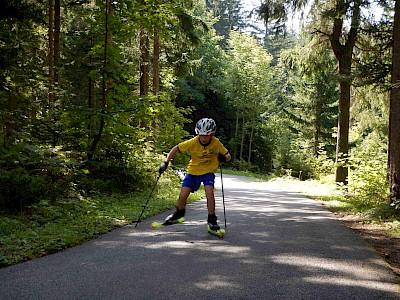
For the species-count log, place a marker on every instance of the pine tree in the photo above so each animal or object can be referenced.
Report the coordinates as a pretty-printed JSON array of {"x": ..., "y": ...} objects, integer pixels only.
[{"x": 394, "y": 119}]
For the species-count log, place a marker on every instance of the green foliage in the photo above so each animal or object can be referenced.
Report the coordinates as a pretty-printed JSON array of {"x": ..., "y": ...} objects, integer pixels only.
[
  {"x": 248, "y": 89},
  {"x": 243, "y": 166},
  {"x": 312, "y": 109},
  {"x": 48, "y": 227},
  {"x": 98, "y": 135},
  {"x": 20, "y": 189},
  {"x": 29, "y": 174},
  {"x": 202, "y": 90},
  {"x": 229, "y": 16},
  {"x": 368, "y": 176},
  {"x": 368, "y": 181},
  {"x": 373, "y": 63}
]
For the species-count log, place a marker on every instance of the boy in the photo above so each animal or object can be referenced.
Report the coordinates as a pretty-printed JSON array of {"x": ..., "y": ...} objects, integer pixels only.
[{"x": 205, "y": 153}]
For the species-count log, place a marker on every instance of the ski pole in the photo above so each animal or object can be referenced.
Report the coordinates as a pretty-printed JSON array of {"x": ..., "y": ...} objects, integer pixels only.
[
  {"x": 148, "y": 199},
  {"x": 223, "y": 197}
]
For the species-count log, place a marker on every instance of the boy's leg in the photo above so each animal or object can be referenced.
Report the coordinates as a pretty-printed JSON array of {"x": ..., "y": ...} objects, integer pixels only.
[
  {"x": 212, "y": 218},
  {"x": 188, "y": 186},
  {"x": 208, "y": 181},
  {"x": 180, "y": 208},
  {"x": 210, "y": 199},
  {"x": 183, "y": 196}
]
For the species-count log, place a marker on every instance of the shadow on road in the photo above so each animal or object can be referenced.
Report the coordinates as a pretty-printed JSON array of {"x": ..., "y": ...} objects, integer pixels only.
[{"x": 278, "y": 245}]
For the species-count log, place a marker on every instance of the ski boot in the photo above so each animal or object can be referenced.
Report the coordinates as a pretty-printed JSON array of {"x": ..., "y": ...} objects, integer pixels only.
[
  {"x": 213, "y": 227},
  {"x": 176, "y": 217},
  {"x": 212, "y": 223}
]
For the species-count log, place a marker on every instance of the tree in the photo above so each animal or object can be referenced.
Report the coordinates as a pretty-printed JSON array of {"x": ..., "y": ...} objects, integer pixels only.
[
  {"x": 144, "y": 57},
  {"x": 249, "y": 75},
  {"x": 21, "y": 61},
  {"x": 229, "y": 17},
  {"x": 344, "y": 52},
  {"x": 340, "y": 22},
  {"x": 274, "y": 12},
  {"x": 311, "y": 110},
  {"x": 394, "y": 118},
  {"x": 51, "y": 53}
]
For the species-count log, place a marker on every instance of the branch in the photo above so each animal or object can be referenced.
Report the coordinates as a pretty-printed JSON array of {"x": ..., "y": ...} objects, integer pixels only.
[{"x": 320, "y": 32}]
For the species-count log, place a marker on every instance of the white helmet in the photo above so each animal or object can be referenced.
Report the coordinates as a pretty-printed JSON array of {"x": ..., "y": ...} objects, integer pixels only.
[{"x": 205, "y": 126}]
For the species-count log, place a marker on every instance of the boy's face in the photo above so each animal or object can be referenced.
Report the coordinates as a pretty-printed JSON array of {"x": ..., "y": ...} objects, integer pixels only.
[{"x": 205, "y": 139}]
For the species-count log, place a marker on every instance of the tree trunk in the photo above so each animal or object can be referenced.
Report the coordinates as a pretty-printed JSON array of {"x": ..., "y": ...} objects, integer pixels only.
[
  {"x": 317, "y": 125},
  {"x": 57, "y": 29},
  {"x": 394, "y": 117},
  {"x": 9, "y": 123},
  {"x": 343, "y": 54},
  {"x": 144, "y": 62},
  {"x": 251, "y": 138},
  {"x": 342, "y": 144},
  {"x": 156, "y": 63},
  {"x": 51, "y": 53},
  {"x": 106, "y": 84},
  {"x": 92, "y": 101},
  {"x": 243, "y": 135},
  {"x": 236, "y": 135}
]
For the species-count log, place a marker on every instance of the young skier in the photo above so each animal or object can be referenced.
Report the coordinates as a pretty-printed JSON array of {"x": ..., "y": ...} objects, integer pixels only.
[{"x": 205, "y": 153}]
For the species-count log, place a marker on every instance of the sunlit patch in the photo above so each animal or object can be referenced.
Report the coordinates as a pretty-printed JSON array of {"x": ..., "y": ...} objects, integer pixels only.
[
  {"x": 341, "y": 267},
  {"x": 216, "y": 282},
  {"x": 366, "y": 274},
  {"x": 368, "y": 284},
  {"x": 260, "y": 234},
  {"x": 171, "y": 245},
  {"x": 249, "y": 261},
  {"x": 237, "y": 251}
]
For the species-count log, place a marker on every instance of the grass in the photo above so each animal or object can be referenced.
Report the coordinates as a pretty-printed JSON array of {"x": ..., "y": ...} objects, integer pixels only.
[{"x": 49, "y": 227}]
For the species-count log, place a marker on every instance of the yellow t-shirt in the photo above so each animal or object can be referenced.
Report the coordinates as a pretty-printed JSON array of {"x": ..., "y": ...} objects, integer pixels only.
[{"x": 203, "y": 159}]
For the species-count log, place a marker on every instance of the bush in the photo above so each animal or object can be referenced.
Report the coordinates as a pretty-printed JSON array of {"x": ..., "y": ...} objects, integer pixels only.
[
  {"x": 242, "y": 165},
  {"x": 368, "y": 177},
  {"x": 20, "y": 189},
  {"x": 108, "y": 177}
]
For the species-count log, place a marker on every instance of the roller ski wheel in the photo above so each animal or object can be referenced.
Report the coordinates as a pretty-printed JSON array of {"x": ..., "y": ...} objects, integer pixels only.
[
  {"x": 219, "y": 232},
  {"x": 156, "y": 225}
]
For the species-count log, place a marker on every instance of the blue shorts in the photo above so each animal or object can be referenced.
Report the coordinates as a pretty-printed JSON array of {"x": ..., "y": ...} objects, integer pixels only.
[{"x": 194, "y": 181}]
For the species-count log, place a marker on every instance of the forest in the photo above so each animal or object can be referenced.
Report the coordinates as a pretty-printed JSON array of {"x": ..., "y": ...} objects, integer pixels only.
[{"x": 94, "y": 93}]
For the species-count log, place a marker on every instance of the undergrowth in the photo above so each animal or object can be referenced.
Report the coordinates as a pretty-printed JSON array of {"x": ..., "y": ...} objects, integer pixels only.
[{"x": 51, "y": 226}]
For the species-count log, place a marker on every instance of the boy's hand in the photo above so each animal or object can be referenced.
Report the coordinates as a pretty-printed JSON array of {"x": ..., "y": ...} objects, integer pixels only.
[
  {"x": 221, "y": 158},
  {"x": 163, "y": 167}
]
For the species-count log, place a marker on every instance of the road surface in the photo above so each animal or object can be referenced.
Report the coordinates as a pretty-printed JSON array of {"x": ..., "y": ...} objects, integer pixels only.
[{"x": 278, "y": 245}]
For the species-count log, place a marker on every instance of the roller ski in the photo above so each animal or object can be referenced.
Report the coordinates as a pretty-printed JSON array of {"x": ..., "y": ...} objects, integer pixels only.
[
  {"x": 176, "y": 218},
  {"x": 213, "y": 227}
]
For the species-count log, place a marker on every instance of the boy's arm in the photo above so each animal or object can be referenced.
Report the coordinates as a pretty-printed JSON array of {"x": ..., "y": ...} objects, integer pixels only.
[
  {"x": 228, "y": 157},
  {"x": 224, "y": 158},
  {"x": 170, "y": 156},
  {"x": 172, "y": 153}
]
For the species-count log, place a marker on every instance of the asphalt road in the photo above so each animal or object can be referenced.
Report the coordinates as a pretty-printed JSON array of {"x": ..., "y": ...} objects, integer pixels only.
[{"x": 278, "y": 245}]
